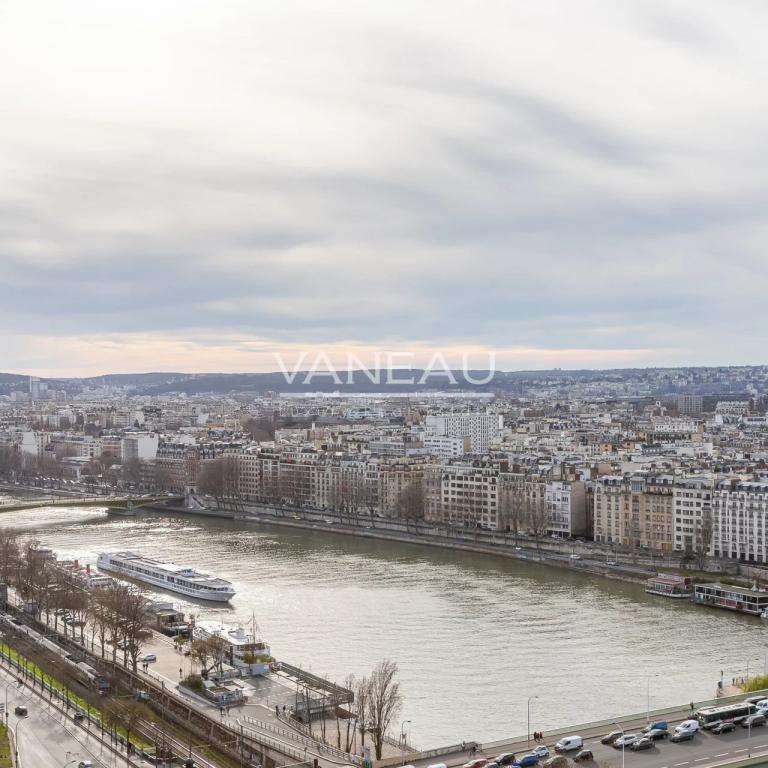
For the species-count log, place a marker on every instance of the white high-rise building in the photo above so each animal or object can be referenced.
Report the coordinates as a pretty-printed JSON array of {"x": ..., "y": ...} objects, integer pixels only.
[
  {"x": 481, "y": 428},
  {"x": 740, "y": 520}
]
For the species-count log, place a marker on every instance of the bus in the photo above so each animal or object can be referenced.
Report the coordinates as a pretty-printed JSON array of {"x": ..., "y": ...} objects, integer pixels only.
[{"x": 709, "y": 717}]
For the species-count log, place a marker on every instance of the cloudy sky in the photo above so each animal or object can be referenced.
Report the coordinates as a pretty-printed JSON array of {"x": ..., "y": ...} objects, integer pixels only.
[{"x": 197, "y": 186}]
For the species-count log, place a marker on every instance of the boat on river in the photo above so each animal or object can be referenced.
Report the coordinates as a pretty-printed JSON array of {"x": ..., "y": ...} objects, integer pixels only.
[{"x": 176, "y": 578}]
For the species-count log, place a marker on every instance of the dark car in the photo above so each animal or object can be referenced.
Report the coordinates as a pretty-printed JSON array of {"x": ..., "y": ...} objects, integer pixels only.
[
  {"x": 657, "y": 733},
  {"x": 642, "y": 743},
  {"x": 78, "y": 717},
  {"x": 682, "y": 736},
  {"x": 724, "y": 726},
  {"x": 611, "y": 737},
  {"x": 753, "y": 720},
  {"x": 584, "y": 756},
  {"x": 505, "y": 758}
]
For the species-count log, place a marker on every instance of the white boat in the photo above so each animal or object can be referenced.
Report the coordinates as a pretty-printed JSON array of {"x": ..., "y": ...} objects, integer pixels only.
[{"x": 176, "y": 578}]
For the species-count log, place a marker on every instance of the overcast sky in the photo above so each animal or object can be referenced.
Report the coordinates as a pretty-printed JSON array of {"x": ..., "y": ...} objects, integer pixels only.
[{"x": 197, "y": 185}]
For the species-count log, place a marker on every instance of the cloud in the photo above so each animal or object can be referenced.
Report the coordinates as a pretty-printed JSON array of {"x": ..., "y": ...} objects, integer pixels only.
[{"x": 583, "y": 181}]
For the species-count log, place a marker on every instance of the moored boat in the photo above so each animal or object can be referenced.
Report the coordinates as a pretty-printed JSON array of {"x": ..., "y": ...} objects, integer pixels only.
[{"x": 176, "y": 578}]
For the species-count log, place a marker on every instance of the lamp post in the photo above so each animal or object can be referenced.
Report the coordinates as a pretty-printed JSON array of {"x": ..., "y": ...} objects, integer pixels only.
[
  {"x": 648, "y": 698},
  {"x": 622, "y": 743},
  {"x": 529, "y": 718},
  {"x": 402, "y": 741},
  {"x": 13, "y": 682},
  {"x": 16, "y": 742}
]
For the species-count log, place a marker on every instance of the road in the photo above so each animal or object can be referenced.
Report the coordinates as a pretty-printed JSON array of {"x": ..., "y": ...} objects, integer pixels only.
[
  {"x": 705, "y": 750},
  {"x": 48, "y": 738}
]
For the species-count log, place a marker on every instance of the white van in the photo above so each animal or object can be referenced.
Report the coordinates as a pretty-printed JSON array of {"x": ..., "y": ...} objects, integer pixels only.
[
  {"x": 569, "y": 743},
  {"x": 688, "y": 725}
]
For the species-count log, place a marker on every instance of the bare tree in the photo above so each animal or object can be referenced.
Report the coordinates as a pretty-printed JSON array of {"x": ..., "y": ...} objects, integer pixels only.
[
  {"x": 209, "y": 653},
  {"x": 410, "y": 501},
  {"x": 537, "y": 514},
  {"x": 385, "y": 702},
  {"x": 703, "y": 538}
]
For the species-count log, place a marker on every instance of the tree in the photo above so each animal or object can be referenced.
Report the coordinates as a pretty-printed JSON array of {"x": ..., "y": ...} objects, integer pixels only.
[
  {"x": 211, "y": 481},
  {"x": 260, "y": 429},
  {"x": 385, "y": 702},
  {"x": 703, "y": 539},
  {"x": 410, "y": 501},
  {"x": 537, "y": 514},
  {"x": 209, "y": 653}
]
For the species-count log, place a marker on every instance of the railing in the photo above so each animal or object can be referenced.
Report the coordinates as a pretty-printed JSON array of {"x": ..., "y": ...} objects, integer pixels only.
[{"x": 308, "y": 741}]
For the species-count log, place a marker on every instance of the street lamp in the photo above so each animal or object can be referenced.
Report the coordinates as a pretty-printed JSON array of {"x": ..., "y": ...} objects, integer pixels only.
[
  {"x": 13, "y": 682},
  {"x": 622, "y": 743},
  {"x": 648, "y": 698},
  {"x": 529, "y": 718},
  {"x": 402, "y": 741},
  {"x": 16, "y": 742}
]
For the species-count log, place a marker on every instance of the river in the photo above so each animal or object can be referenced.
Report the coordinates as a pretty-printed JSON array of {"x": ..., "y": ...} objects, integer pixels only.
[{"x": 474, "y": 635}]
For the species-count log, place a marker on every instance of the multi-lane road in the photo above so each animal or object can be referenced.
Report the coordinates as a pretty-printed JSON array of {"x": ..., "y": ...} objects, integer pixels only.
[{"x": 703, "y": 751}]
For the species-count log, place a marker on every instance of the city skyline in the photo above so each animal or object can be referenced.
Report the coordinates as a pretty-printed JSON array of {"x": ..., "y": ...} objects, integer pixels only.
[{"x": 196, "y": 188}]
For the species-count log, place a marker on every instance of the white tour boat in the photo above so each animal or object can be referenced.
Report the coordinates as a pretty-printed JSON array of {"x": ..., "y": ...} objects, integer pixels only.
[{"x": 176, "y": 578}]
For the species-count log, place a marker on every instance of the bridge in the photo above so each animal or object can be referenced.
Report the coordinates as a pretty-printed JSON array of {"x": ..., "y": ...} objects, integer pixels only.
[{"x": 117, "y": 503}]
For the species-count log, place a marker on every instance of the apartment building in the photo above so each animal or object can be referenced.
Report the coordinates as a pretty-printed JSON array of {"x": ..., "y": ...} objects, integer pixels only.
[
  {"x": 566, "y": 508},
  {"x": 693, "y": 511},
  {"x": 740, "y": 520},
  {"x": 447, "y": 447},
  {"x": 635, "y": 510},
  {"x": 464, "y": 493},
  {"x": 481, "y": 428}
]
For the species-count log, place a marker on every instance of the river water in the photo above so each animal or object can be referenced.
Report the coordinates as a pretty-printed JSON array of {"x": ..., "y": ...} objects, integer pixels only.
[{"x": 474, "y": 635}]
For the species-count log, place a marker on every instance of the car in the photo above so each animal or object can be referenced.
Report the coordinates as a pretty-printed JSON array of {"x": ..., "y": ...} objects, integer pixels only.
[
  {"x": 753, "y": 721},
  {"x": 478, "y": 762},
  {"x": 755, "y": 699},
  {"x": 491, "y": 764},
  {"x": 85, "y": 764},
  {"x": 683, "y": 735},
  {"x": 688, "y": 725},
  {"x": 657, "y": 725},
  {"x": 611, "y": 737},
  {"x": 569, "y": 743},
  {"x": 610, "y": 562},
  {"x": 575, "y": 557},
  {"x": 724, "y": 726},
  {"x": 437, "y": 765},
  {"x": 20, "y": 711},
  {"x": 625, "y": 740},
  {"x": 642, "y": 743},
  {"x": 526, "y": 760},
  {"x": 147, "y": 658},
  {"x": 78, "y": 717},
  {"x": 657, "y": 733},
  {"x": 505, "y": 758},
  {"x": 541, "y": 751},
  {"x": 558, "y": 761},
  {"x": 583, "y": 756}
]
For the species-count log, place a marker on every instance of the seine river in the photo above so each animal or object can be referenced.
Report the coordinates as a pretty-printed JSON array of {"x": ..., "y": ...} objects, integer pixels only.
[{"x": 474, "y": 636}]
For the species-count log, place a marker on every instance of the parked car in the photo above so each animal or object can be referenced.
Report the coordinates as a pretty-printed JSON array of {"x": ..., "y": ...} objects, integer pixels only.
[
  {"x": 569, "y": 743},
  {"x": 148, "y": 658},
  {"x": 611, "y": 562},
  {"x": 625, "y": 740},
  {"x": 558, "y": 761},
  {"x": 505, "y": 758},
  {"x": 526, "y": 760},
  {"x": 658, "y": 725},
  {"x": 642, "y": 743},
  {"x": 755, "y": 699},
  {"x": 78, "y": 717},
  {"x": 611, "y": 737},
  {"x": 583, "y": 756},
  {"x": 478, "y": 762},
  {"x": 657, "y": 734},
  {"x": 85, "y": 764},
  {"x": 20, "y": 711},
  {"x": 575, "y": 557},
  {"x": 541, "y": 751},
  {"x": 684, "y": 735},
  {"x": 753, "y": 721},
  {"x": 724, "y": 726}
]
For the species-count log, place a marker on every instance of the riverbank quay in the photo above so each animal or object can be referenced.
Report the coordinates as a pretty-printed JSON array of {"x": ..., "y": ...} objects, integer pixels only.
[{"x": 558, "y": 553}]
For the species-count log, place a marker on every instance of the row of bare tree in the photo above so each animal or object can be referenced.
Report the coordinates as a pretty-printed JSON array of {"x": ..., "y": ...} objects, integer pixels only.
[{"x": 116, "y": 614}]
